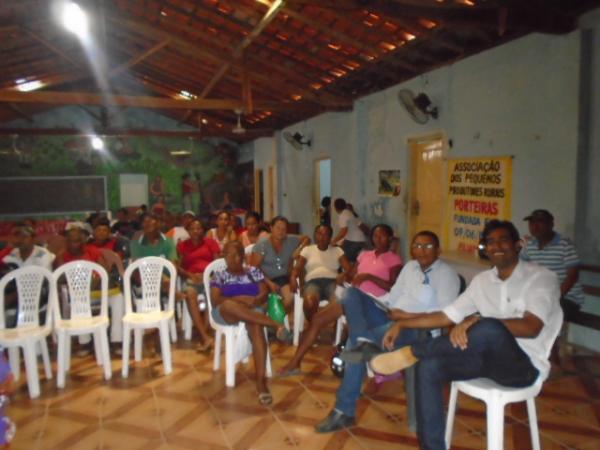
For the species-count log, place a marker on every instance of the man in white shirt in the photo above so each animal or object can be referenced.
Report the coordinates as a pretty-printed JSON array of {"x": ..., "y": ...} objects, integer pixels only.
[
  {"x": 506, "y": 322},
  {"x": 26, "y": 253},
  {"x": 425, "y": 284}
]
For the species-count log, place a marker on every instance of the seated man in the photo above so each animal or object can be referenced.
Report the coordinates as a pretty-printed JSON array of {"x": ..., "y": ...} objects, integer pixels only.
[
  {"x": 102, "y": 238},
  {"x": 25, "y": 252},
  {"x": 77, "y": 249},
  {"x": 425, "y": 284},
  {"x": 505, "y": 323},
  {"x": 123, "y": 226},
  {"x": 556, "y": 253},
  {"x": 179, "y": 233},
  {"x": 152, "y": 242}
]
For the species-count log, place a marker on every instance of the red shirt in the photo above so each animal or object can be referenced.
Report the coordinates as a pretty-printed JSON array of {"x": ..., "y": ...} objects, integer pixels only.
[
  {"x": 90, "y": 253},
  {"x": 195, "y": 258},
  {"x": 110, "y": 244}
]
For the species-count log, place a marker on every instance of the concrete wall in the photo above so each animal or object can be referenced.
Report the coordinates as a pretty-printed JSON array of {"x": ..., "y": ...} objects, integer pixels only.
[{"x": 519, "y": 99}]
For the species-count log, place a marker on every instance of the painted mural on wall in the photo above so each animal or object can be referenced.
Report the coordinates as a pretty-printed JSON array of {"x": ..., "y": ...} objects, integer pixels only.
[{"x": 211, "y": 166}]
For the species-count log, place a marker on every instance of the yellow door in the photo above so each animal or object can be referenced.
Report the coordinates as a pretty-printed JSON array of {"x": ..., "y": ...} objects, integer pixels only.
[{"x": 428, "y": 181}]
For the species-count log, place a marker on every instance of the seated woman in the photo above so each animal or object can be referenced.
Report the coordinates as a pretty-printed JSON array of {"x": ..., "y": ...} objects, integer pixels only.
[
  {"x": 223, "y": 232},
  {"x": 317, "y": 270},
  {"x": 194, "y": 255},
  {"x": 275, "y": 256},
  {"x": 238, "y": 295},
  {"x": 253, "y": 233},
  {"x": 375, "y": 274}
]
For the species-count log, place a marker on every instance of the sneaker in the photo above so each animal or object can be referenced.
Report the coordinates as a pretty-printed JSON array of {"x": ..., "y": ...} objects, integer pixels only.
[
  {"x": 335, "y": 421},
  {"x": 363, "y": 352}
]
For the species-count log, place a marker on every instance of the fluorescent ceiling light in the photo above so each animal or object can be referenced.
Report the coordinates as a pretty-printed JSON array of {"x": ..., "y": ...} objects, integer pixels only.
[
  {"x": 25, "y": 86},
  {"x": 180, "y": 153},
  {"x": 186, "y": 95},
  {"x": 75, "y": 20}
]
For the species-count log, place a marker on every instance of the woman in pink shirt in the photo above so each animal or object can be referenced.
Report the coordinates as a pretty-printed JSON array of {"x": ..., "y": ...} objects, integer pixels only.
[{"x": 374, "y": 275}]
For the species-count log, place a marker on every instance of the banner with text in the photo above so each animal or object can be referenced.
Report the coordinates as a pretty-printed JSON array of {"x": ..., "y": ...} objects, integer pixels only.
[{"x": 479, "y": 189}]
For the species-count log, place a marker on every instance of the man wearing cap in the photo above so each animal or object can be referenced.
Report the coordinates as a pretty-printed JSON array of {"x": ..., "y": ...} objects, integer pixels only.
[
  {"x": 179, "y": 233},
  {"x": 25, "y": 253},
  {"x": 557, "y": 253}
]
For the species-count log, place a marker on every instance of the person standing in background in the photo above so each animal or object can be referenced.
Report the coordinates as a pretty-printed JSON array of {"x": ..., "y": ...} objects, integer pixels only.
[{"x": 349, "y": 237}]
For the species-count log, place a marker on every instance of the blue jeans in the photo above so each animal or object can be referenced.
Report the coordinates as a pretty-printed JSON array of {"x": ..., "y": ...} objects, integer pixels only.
[
  {"x": 365, "y": 319},
  {"x": 492, "y": 352}
]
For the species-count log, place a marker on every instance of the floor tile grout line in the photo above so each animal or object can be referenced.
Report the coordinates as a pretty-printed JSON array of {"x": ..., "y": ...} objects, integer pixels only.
[
  {"x": 214, "y": 411},
  {"x": 157, "y": 414},
  {"x": 314, "y": 397},
  {"x": 45, "y": 424},
  {"x": 380, "y": 408}
]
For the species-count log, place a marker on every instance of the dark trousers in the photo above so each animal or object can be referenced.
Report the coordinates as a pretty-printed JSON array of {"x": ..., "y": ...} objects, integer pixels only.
[{"x": 492, "y": 352}]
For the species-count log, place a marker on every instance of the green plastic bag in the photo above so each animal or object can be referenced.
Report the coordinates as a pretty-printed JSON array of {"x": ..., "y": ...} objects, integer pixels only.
[{"x": 275, "y": 308}]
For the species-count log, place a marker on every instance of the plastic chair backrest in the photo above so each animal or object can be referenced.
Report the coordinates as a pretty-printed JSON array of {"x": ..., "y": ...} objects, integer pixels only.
[
  {"x": 151, "y": 271},
  {"x": 29, "y": 281},
  {"x": 113, "y": 260},
  {"x": 79, "y": 276},
  {"x": 215, "y": 266}
]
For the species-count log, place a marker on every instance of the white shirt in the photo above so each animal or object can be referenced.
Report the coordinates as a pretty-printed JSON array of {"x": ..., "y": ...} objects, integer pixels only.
[
  {"x": 347, "y": 219},
  {"x": 39, "y": 257},
  {"x": 178, "y": 234},
  {"x": 529, "y": 288},
  {"x": 411, "y": 293},
  {"x": 321, "y": 264}
]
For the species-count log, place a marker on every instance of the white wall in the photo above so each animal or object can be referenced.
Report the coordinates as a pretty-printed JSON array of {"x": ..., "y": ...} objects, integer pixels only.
[{"x": 519, "y": 99}]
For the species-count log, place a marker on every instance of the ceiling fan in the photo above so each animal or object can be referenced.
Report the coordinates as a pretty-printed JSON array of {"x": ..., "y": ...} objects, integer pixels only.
[
  {"x": 238, "y": 129},
  {"x": 418, "y": 106},
  {"x": 296, "y": 140}
]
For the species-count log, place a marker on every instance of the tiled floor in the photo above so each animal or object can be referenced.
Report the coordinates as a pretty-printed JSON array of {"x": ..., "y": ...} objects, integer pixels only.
[{"x": 192, "y": 409}]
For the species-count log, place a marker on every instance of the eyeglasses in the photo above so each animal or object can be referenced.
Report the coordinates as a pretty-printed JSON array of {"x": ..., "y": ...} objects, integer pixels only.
[{"x": 423, "y": 246}]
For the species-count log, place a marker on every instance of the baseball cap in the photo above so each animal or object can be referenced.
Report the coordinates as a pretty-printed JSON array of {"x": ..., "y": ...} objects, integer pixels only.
[
  {"x": 189, "y": 212},
  {"x": 540, "y": 214}
]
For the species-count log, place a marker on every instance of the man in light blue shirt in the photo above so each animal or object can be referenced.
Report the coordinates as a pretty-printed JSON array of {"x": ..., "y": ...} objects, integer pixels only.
[{"x": 425, "y": 284}]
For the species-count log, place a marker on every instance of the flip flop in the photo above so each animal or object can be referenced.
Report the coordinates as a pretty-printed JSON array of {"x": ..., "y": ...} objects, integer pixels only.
[
  {"x": 265, "y": 398},
  {"x": 289, "y": 372},
  {"x": 284, "y": 335}
]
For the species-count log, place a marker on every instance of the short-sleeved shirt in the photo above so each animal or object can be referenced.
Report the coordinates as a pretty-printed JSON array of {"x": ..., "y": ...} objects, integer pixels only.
[
  {"x": 195, "y": 258},
  {"x": 90, "y": 253},
  {"x": 529, "y": 288},
  {"x": 416, "y": 291},
  {"x": 348, "y": 220},
  {"x": 558, "y": 255},
  {"x": 232, "y": 285},
  {"x": 178, "y": 234},
  {"x": 39, "y": 257},
  {"x": 164, "y": 248},
  {"x": 212, "y": 233},
  {"x": 275, "y": 264},
  {"x": 378, "y": 265},
  {"x": 119, "y": 246},
  {"x": 321, "y": 264}
]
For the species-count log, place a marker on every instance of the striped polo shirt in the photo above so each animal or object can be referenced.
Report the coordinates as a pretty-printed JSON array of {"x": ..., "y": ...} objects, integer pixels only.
[{"x": 558, "y": 256}]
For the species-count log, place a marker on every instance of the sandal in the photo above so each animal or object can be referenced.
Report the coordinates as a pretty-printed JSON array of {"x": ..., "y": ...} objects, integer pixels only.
[
  {"x": 284, "y": 335},
  {"x": 265, "y": 398},
  {"x": 284, "y": 373},
  {"x": 205, "y": 346}
]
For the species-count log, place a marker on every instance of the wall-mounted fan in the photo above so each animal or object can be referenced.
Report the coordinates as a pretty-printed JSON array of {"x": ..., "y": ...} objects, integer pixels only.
[
  {"x": 418, "y": 106},
  {"x": 238, "y": 129},
  {"x": 296, "y": 140}
]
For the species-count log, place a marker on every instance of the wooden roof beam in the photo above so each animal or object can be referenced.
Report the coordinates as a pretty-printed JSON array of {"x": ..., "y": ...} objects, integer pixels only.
[
  {"x": 237, "y": 53},
  {"x": 141, "y": 101},
  {"x": 138, "y": 59}
]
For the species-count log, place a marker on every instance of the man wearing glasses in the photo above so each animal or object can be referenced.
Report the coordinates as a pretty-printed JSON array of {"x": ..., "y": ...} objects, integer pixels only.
[
  {"x": 425, "y": 284},
  {"x": 505, "y": 323}
]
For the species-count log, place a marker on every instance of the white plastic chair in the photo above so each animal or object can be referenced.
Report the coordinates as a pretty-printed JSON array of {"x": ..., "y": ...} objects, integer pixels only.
[
  {"x": 149, "y": 313},
  {"x": 237, "y": 342},
  {"x": 496, "y": 397},
  {"x": 79, "y": 276},
  {"x": 28, "y": 332},
  {"x": 299, "y": 317}
]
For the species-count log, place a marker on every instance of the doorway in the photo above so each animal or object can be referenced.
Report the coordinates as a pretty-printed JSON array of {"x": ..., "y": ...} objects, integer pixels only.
[
  {"x": 322, "y": 185},
  {"x": 427, "y": 183}
]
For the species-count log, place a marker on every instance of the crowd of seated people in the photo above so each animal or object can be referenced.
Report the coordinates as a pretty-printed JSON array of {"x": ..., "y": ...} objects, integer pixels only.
[{"x": 364, "y": 278}]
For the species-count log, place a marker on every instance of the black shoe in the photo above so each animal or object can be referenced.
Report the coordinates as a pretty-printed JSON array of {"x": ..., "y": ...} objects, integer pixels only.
[
  {"x": 335, "y": 421},
  {"x": 363, "y": 352}
]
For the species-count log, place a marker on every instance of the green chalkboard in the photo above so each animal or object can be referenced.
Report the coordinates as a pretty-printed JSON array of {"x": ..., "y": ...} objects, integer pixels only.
[{"x": 30, "y": 196}]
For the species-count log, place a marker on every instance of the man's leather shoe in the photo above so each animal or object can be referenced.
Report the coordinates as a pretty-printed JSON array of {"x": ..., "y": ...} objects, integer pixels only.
[
  {"x": 335, "y": 421},
  {"x": 363, "y": 352}
]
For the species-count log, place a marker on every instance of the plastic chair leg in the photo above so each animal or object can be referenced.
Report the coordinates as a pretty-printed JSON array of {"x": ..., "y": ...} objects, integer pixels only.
[
  {"x": 126, "y": 345},
  {"x": 33, "y": 381},
  {"x": 338, "y": 330},
  {"x": 173, "y": 330},
  {"x": 61, "y": 368},
  {"x": 217, "y": 350},
  {"x": 533, "y": 424},
  {"x": 269, "y": 368},
  {"x": 451, "y": 413},
  {"x": 298, "y": 318},
  {"x": 43, "y": 343},
  {"x": 138, "y": 337},
  {"x": 117, "y": 311},
  {"x": 14, "y": 359},
  {"x": 67, "y": 352},
  {"x": 97, "y": 348},
  {"x": 187, "y": 322},
  {"x": 106, "y": 363},
  {"x": 165, "y": 346},
  {"x": 495, "y": 423},
  {"x": 229, "y": 361}
]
